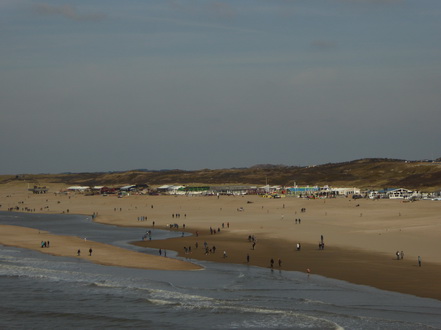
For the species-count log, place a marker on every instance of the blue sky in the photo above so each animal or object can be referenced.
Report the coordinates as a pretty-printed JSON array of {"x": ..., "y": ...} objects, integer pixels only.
[{"x": 117, "y": 85}]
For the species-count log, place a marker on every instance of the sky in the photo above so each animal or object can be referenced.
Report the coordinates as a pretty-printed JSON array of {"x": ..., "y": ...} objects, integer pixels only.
[{"x": 105, "y": 85}]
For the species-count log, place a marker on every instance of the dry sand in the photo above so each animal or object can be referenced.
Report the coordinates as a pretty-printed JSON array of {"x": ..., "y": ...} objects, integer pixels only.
[{"x": 361, "y": 236}]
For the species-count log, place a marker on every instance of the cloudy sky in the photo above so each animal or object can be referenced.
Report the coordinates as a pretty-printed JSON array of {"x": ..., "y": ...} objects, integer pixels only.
[{"x": 105, "y": 85}]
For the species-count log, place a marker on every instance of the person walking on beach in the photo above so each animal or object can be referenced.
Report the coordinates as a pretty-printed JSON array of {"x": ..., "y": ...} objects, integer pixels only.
[
  {"x": 225, "y": 254},
  {"x": 248, "y": 258},
  {"x": 90, "y": 252},
  {"x": 78, "y": 252},
  {"x": 419, "y": 261}
]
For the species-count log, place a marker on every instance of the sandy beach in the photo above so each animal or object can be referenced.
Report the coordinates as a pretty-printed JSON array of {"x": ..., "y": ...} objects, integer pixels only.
[
  {"x": 68, "y": 246},
  {"x": 361, "y": 236}
]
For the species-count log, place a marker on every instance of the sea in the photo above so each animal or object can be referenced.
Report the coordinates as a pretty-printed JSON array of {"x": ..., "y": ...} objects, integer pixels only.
[{"x": 40, "y": 291}]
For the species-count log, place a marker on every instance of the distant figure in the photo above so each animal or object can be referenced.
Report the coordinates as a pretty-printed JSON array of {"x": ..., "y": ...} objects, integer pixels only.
[
  {"x": 272, "y": 262},
  {"x": 225, "y": 254},
  {"x": 280, "y": 262},
  {"x": 402, "y": 255},
  {"x": 90, "y": 252},
  {"x": 248, "y": 258},
  {"x": 298, "y": 247},
  {"x": 419, "y": 261},
  {"x": 78, "y": 252}
]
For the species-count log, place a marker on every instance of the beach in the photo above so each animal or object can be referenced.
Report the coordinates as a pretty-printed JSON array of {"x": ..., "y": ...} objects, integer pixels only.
[
  {"x": 82, "y": 248},
  {"x": 360, "y": 237}
]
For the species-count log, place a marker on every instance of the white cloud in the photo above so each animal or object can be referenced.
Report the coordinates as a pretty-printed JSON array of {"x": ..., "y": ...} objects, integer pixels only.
[{"x": 66, "y": 11}]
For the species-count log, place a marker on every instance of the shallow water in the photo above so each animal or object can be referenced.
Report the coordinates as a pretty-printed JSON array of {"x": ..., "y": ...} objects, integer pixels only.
[{"x": 40, "y": 290}]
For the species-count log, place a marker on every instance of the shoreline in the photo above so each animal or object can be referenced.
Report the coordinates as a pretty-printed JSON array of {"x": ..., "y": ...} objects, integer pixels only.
[
  {"x": 361, "y": 236},
  {"x": 104, "y": 254},
  {"x": 356, "y": 266},
  {"x": 377, "y": 270},
  {"x": 359, "y": 267}
]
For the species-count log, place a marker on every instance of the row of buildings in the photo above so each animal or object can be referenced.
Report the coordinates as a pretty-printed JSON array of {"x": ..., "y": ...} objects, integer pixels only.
[{"x": 266, "y": 191}]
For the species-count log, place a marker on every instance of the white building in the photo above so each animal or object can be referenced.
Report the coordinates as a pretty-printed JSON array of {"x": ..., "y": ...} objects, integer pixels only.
[
  {"x": 171, "y": 190},
  {"x": 78, "y": 188},
  {"x": 346, "y": 191},
  {"x": 400, "y": 193}
]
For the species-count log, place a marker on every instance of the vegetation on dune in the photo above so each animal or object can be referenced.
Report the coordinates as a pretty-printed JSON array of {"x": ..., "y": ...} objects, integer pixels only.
[{"x": 364, "y": 173}]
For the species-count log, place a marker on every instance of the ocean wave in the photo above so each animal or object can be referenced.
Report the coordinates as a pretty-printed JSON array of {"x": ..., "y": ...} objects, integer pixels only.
[
  {"x": 264, "y": 318},
  {"x": 313, "y": 301},
  {"x": 5, "y": 249},
  {"x": 105, "y": 284},
  {"x": 279, "y": 318},
  {"x": 162, "y": 302}
]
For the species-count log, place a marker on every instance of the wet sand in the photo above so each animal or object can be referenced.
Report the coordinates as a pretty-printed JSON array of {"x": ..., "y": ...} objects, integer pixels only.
[
  {"x": 358, "y": 266},
  {"x": 104, "y": 254},
  {"x": 361, "y": 236}
]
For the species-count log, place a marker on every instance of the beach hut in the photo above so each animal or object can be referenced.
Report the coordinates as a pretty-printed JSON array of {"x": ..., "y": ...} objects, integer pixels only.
[
  {"x": 399, "y": 193},
  {"x": 78, "y": 189},
  {"x": 39, "y": 190}
]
